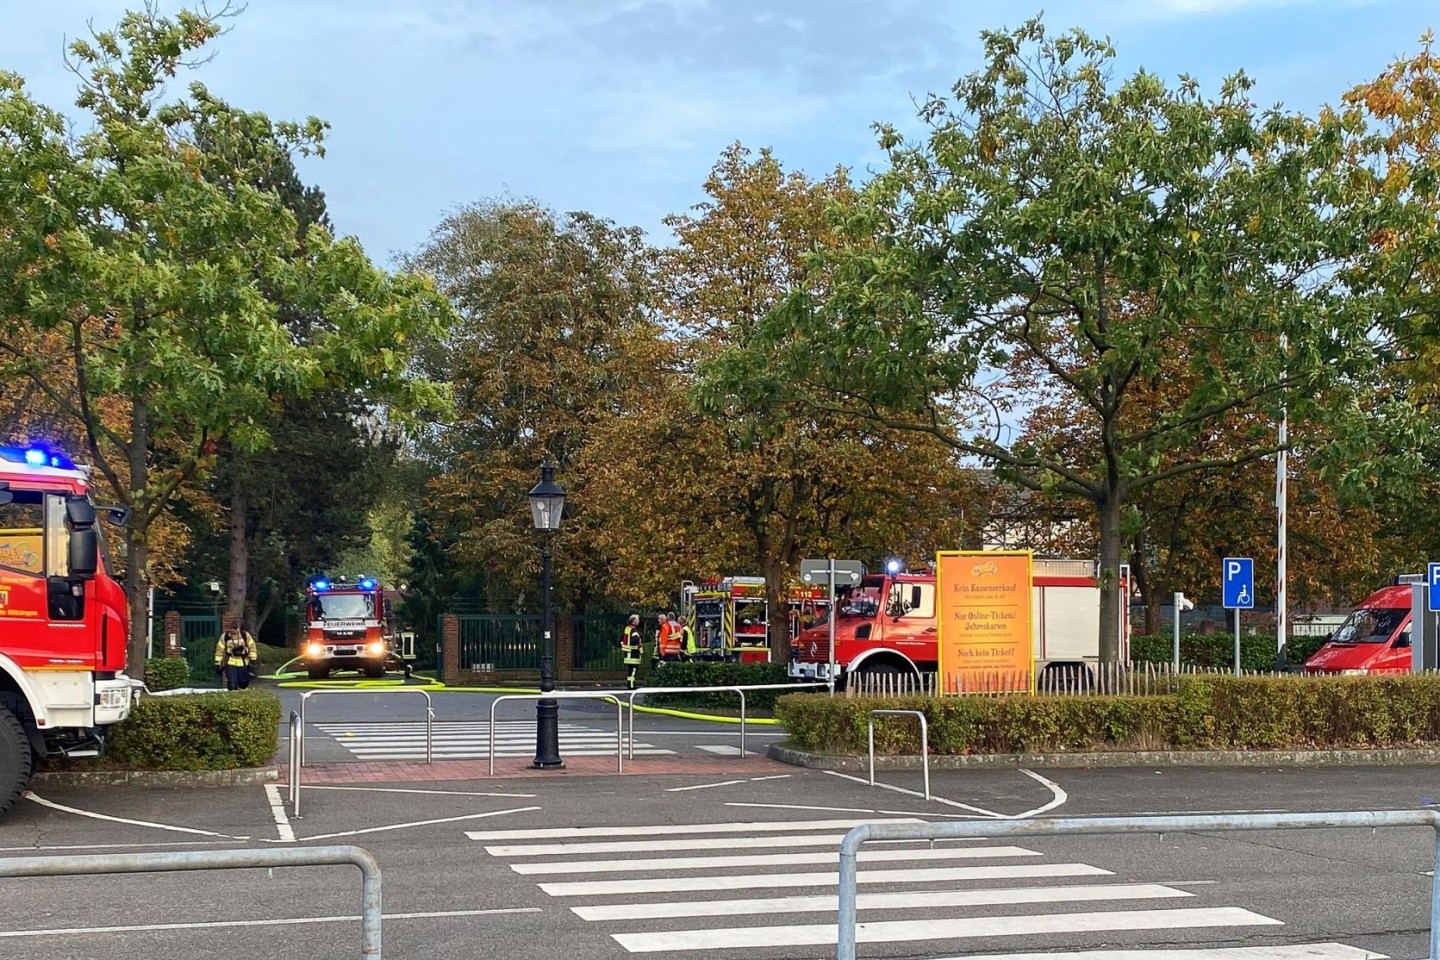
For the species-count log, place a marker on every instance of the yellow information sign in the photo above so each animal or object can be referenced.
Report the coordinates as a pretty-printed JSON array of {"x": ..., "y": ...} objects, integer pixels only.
[{"x": 985, "y": 621}]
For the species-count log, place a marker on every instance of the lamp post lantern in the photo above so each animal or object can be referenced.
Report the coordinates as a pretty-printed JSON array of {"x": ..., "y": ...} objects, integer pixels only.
[{"x": 547, "y": 502}]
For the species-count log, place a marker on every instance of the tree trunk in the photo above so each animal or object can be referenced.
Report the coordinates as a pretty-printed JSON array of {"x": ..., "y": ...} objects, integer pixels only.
[
  {"x": 1147, "y": 588},
  {"x": 239, "y": 552},
  {"x": 776, "y": 611},
  {"x": 1110, "y": 599},
  {"x": 137, "y": 546},
  {"x": 251, "y": 620}
]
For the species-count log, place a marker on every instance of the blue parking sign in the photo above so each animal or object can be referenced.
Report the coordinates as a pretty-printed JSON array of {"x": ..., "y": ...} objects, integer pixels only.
[
  {"x": 1237, "y": 583},
  {"x": 1432, "y": 580}
]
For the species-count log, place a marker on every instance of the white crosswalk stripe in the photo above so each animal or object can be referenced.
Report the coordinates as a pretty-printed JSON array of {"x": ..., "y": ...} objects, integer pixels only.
[
  {"x": 649, "y": 893},
  {"x": 467, "y": 740}
]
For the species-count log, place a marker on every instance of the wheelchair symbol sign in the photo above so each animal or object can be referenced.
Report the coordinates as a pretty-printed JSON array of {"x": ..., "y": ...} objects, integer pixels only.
[{"x": 1237, "y": 583}]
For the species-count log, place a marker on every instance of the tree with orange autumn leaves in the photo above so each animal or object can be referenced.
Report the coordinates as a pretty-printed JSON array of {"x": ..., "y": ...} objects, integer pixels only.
[{"x": 579, "y": 344}]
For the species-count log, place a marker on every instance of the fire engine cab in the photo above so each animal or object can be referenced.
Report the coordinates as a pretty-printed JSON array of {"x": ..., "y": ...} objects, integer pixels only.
[
  {"x": 64, "y": 620},
  {"x": 350, "y": 627}
]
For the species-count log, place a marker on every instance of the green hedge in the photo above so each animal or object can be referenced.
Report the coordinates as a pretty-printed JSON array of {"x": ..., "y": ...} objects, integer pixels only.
[
  {"x": 1208, "y": 713},
  {"x": 166, "y": 673},
  {"x": 1257, "y": 650},
  {"x": 705, "y": 673},
  {"x": 198, "y": 731}
]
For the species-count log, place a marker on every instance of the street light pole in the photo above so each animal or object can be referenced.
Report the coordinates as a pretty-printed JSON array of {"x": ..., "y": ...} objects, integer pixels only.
[{"x": 547, "y": 503}]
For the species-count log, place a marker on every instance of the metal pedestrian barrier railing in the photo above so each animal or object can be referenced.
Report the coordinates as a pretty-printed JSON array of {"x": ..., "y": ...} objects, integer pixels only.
[
  {"x": 429, "y": 714},
  {"x": 297, "y": 742},
  {"x": 568, "y": 695},
  {"x": 370, "y": 910},
  {"x": 1077, "y": 826},
  {"x": 630, "y": 696},
  {"x": 924, "y": 741}
]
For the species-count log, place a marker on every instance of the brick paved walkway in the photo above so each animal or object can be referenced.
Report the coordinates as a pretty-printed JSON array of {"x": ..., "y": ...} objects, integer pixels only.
[{"x": 406, "y": 771}]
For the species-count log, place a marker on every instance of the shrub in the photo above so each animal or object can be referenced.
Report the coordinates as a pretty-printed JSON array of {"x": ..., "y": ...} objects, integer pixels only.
[
  {"x": 707, "y": 673},
  {"x": 200, "y": 731},
  {"x": 1290, "y": 712},
  {"x": 1217, "y": 650},
  {"x": 166, "y": 673}
]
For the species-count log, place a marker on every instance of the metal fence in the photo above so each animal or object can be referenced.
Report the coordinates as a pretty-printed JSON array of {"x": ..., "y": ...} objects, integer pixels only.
[
  {"x": 1011, "y": 829},
  {"x": 1135, "y": 678},
  {"x": 596, "y": 639},
  {"x": 370, "y": 906},
  {"x": 500, "y": 641}
]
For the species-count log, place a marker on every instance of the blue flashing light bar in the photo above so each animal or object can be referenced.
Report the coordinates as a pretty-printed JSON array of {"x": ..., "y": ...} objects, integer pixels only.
[
  {"x": 367, "y": 584},
  {"x": 321, "y": 584},
  {"x": 36, "y": 456}
]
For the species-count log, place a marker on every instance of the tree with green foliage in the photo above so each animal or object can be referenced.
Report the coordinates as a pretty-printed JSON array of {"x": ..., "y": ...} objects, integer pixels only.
[
  {"x": 1054, "y": 238},
  {"x": 158, "y": 262}
]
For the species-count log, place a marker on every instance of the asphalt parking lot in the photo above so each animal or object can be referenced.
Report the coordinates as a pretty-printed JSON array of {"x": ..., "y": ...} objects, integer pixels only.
[{"x": 567, "y": 866}]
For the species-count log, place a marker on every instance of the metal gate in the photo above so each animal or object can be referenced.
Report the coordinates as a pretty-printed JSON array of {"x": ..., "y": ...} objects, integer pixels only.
[{"x": 499, "y": 641}]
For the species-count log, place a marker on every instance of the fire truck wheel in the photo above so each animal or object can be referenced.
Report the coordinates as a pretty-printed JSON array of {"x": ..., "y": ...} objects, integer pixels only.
[
  {"x": 16, "y": 761},
  {"x": 319, "y": 673}
]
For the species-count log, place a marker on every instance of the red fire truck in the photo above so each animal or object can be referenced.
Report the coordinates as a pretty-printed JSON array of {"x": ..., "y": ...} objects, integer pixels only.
[
  {"x": 730, "y": 617},
  {"x": 350, "y": 627},
  {"x": 887, "y": 624},
  {"x": 64, "y": 620}
]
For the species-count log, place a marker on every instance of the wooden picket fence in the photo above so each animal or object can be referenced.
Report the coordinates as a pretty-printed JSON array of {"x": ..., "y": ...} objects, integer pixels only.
[{"x": 1094, "y": 679}]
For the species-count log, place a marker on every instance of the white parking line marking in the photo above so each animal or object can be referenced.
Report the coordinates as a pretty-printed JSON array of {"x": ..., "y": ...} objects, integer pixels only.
[
  {"x": 893, "y": 813},
  {"x": 419, "y": 823},
  {"x": 281, "y": 922},
  {"x": 134, "y": 823},
  {"x": 912, "y": 793},
  {"x": 703, "y": 786},
  {"x": 1058, "y": 797},
  {"x": 277, "y": 810}
]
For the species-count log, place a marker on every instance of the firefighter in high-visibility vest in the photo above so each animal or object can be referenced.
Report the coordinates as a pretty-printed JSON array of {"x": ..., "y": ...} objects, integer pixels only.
[
  {"x": 633, "y": 644},
  {"x": 688, "y": 647},
  {"x": 662, "y": 638}
]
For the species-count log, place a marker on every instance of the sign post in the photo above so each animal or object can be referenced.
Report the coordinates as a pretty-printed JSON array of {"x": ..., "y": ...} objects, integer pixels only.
[
  {"x": 1237, "y": 591},
  {"x": 851, "y": 571}
]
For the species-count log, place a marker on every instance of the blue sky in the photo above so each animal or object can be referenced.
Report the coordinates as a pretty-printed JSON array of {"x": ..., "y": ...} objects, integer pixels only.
[{"x": 621, "y": 107}]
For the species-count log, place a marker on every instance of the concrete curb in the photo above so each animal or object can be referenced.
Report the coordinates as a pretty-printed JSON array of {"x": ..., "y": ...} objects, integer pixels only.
[
  {"x": 244, "y": 777},
  {"x": 1138, "y": 758}
]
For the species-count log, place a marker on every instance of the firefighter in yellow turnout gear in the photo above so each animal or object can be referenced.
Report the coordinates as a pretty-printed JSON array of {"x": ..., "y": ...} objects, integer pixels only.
[
  {"x": 234, "y": 653},
  {"x": 633, "y": 644}
]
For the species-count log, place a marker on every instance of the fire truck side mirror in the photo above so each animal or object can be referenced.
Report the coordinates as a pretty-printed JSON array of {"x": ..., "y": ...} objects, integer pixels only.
[
  {"x": 80, "y": 512},
  {"x": 84, "y": 553}
]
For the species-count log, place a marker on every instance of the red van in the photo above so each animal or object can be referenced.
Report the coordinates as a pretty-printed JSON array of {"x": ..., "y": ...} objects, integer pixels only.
[{"x": 1375, "y": 638}]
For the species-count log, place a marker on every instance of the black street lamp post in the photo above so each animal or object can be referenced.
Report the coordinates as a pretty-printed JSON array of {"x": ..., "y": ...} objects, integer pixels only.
[{"x": 547, "y": 502}]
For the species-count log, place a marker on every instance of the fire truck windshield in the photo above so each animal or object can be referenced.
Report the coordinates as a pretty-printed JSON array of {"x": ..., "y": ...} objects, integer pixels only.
[
  {"x": 346, "y": 606},
  {"x": 862, "y": 602}
]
